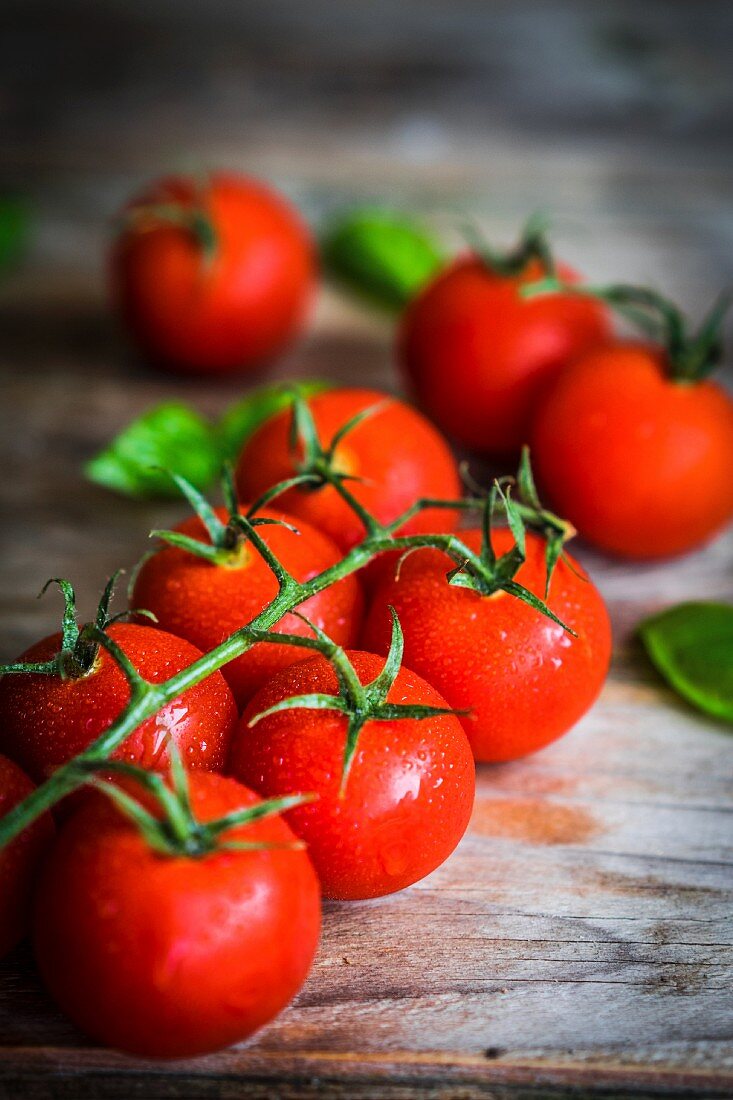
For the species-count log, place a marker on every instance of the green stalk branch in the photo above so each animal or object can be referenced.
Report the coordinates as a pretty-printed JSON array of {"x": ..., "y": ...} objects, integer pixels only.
[{"x": 474, "y": 570}]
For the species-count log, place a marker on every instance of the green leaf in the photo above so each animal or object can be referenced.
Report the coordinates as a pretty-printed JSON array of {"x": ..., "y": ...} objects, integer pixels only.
[
  {"x": 691, "y": 645},
  {"x": 174, "y": 437},
  {"x": 14, "y": 231},
  {"x": 170, "y": 435},
  {"x": 243, "y": 417},
  {"x": 384, "y": 256}
]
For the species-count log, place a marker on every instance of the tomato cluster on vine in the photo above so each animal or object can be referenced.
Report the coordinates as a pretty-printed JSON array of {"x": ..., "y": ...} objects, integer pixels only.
[
  {"x": 311, "y": 672},
  {"x": 352, "y": 768}
]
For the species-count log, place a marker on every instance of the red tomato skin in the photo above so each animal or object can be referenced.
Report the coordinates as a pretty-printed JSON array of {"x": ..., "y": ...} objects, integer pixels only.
[
  {"x": 400, "y": 455},
  {"x": 640, "y": 464},
  {"x": 409, "y": 794},
  {"x": 226, "y": 314},
  {"x": 172, "y": 957},
  {"x": 45, "y": 721},
  {"x": 206, "y": 603},
  {"x": 479, "y": 357},
  {"x": 524, "y": 680},
  {"x": 18, "y": 860}
]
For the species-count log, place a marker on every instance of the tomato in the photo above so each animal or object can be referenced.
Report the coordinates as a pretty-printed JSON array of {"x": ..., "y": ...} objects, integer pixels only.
[
  {"x": 45, "y": 721},
  {"x": 397, "y": 452},
  {"x": 524, "y": 679},
  {"x": 408, "y": 796},
  {"x": 478, "y": 356},
  {"x": 640, "y": 463},
  {"x": 19, "y": 859},
  {"x": 204, "y": 602},
  {"x": 171, "y": 956},
  {"x": 212, "y": 277}
]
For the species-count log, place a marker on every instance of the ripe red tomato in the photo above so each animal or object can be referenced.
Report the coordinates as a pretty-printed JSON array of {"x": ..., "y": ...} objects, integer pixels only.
[
  {"x": 641, "y": 464},
  {"x": 524, "y": 679},
  {"x": 205, "y": 603},
  {"x": 213, "y": 278},
  {"x": 396, "y": 451},
  {"x": 408, "y": 796},
  {"x": 479, "y": 356},
  {"x": 45, "y": 721},
  {"x": 171, "y": 957},
  {"x": 19, "y": 859}
]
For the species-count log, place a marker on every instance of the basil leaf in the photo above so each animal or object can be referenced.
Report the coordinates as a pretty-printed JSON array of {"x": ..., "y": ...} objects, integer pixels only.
[
  {"x": 14, "y": 229},
  {"x": 243, "y": 417},
  {"x": 381, "y": 255},
  {"x": 176, "y": 438},
  {"x": 692, "y": 646},
  {"x": 170, "y": 435}
]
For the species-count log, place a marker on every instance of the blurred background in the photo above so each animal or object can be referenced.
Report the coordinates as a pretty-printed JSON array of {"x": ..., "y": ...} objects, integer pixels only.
[{"x": 615, "y": 118}]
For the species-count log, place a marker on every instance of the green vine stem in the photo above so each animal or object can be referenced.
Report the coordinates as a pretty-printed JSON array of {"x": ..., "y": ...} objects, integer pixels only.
[
  {"x": 481, "y": 571},
  {"x": 79, "y": 646},
  {"x": 175, "y": 830},
  {"x": 691, "y": 354}
]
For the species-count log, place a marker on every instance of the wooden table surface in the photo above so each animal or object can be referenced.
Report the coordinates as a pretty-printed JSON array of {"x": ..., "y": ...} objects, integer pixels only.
[{"x": 579, "y": 942}]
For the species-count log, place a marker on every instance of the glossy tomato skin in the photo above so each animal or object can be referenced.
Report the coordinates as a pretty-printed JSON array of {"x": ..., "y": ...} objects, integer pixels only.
[
  {"x": 397, "y": 452},
  {"x": 18, "y": 860},
  {"x": 479, "y": 357},
  {"x": 524, "y": 680},
  {"x": 205, "y": 603},
  {"x": 220, "y": 314},
  {"x": 45, "y": 721},
  {"x": 639, "y": 463},
  {"x": 171, "y": 957},
  {"x": 409, "y": 794}
]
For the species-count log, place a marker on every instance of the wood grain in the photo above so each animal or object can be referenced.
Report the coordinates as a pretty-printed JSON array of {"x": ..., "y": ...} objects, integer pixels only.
[{"x": 580, "y": 941}]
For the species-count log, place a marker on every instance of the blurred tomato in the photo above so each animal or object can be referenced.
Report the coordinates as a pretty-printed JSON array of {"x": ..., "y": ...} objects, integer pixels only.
[
  {"x": 479, "y": 356},
  {"x": 212, "y": 277},
  {"x": 19, "y": 859}
]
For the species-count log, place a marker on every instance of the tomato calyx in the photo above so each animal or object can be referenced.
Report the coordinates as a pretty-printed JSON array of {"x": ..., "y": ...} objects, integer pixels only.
[
  {"x": 191, "y": 217},
  {"x": 532, "y": 245},
  {"x": 79, "y": 645},
  {"x": 691, "y": 355},
  {"x": 226, "y": 547},
  {"x": 174, "y": 830},
  {"x": 486, "y": 574},
  {"x": 317, "y": 464},
  {"x": 360, "y": 703},
  {"x": 553, "y": 529}
]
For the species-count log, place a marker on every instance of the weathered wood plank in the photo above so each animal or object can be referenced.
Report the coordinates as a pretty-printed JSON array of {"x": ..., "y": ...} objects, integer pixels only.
[{"x": 582, "y": 930}]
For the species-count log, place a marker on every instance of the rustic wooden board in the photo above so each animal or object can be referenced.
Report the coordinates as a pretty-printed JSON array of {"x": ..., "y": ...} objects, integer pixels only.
[{"x": 580, "y": 941}]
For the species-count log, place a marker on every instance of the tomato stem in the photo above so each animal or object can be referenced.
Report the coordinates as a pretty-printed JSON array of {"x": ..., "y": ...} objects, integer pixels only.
[
  {"x": 317, "y": 465},
  {"x": 225, "y": 545},
  {"x": 177, "y": 832},
  {"x": 194, "y": 220},
  {"x": 691, "y": 355},
  {"x": 532, "y": 245},
  {"x": 359, "y": 703},
  {"x": 480, "y": 571},
  {"x": 79, "y": 645}
]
